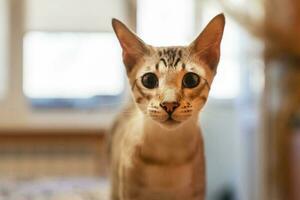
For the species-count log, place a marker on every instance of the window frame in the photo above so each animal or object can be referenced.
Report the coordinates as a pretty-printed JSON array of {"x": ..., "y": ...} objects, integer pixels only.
[{"x": 16, "y": 113}]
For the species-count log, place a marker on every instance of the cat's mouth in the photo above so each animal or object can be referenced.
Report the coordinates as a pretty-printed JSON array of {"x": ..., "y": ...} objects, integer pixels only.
[{"x": 171, "y": 121}]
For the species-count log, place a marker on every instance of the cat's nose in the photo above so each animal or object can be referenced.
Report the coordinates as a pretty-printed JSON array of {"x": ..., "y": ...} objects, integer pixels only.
[{"x": 169, "y": 107}]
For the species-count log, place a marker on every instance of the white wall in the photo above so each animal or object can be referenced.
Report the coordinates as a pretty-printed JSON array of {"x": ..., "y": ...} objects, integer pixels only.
[
  {"x": 73, "y": 15},
  {"x": 221, "y": 133},
  {"x": 3, "y": 46}
]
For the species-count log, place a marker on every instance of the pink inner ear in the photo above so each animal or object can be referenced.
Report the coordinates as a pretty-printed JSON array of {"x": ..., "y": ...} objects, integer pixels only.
[
  {"x": 206, "y": 47},
  {"x": 133, "y": 47},
  {"x": 132, "y": 54},
  {"x": 206, "y": 51},
  {"x": 211, "y": 58}
]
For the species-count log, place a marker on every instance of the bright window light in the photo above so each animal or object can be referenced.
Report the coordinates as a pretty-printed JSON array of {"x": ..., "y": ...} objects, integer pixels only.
[
  {"x": 167, "y": 22},
  {"x": 72, "y": 65},
  {"x": 227, "y": 81},
  {"x": 226, "y": 84}
]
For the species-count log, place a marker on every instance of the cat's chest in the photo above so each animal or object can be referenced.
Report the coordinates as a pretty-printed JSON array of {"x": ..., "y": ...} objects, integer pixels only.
[
  {"x": 148, "y": 178},
  {"x": 166, "y": 176},
  {"x": 157, "y": 172}
]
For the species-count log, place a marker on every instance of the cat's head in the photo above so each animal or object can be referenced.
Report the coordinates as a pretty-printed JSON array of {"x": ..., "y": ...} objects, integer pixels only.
[{"x": 171, "y": 84}]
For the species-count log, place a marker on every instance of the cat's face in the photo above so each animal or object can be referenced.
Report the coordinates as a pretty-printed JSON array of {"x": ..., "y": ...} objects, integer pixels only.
[{"x": 171, "y": 84}]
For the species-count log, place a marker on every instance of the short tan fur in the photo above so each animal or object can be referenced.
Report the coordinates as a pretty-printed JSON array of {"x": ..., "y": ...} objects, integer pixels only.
[{"x": 157, "y": 149}]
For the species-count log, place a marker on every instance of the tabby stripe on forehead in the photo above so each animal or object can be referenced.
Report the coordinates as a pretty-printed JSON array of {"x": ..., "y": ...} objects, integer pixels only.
[
  {"x": 164, "y": 61},
  {"x": 172, "y": 56},
  {"x": 156, "y": 66},
  {"x": 180, "y": 53},
  {"x": 177, "y": 61}
]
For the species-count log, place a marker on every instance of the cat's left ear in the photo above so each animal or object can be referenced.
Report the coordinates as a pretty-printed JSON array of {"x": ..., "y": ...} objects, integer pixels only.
[
  {"x": 206, "y": 47},
  {"x": 133, "y": 47}
]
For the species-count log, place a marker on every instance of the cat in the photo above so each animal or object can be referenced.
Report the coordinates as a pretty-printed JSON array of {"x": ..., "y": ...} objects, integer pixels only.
[{"x": 157, "y": 148}]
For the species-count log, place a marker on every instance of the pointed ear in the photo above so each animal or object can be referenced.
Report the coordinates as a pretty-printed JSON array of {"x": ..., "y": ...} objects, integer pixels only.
[
  {"x": 206, "y": 47},
  {"x": 133, "y": 47}
]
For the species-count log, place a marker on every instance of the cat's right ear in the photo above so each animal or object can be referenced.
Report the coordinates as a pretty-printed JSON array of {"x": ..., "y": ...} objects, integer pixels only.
[
  {"x": 206, "y": 47},
  {"x": 133, "y": 47}
]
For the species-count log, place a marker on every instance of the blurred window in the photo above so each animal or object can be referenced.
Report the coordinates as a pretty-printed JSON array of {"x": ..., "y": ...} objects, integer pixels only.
[
  {"x": 72, "y": 69},
  {"x": 227, "y": 81},
  {"x": 226, "y": 84},
  {"x": 72, "y": 15},
  {"x": 167, "y": 22},
  {"x": 70, "y": 56},
  {"x": 3, "y": 47}
]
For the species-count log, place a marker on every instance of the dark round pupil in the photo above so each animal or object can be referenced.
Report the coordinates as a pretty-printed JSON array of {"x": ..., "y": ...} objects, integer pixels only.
[
  {"x": 190, "y": 80},
  {"x": 150, "y": 80}
]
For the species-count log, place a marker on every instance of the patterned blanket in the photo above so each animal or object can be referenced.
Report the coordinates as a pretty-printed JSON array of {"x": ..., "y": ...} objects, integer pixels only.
[{"x": 54, "y": 189}]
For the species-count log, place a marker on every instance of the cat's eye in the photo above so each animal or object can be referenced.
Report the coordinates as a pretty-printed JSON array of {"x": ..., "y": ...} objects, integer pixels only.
[
  {"x": 190, "y": 80},
  {"x": 150, "y": 80}
]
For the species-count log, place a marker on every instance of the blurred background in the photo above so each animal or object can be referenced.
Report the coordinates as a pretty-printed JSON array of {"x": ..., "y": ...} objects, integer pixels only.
[{"x": 62, "y": 82}]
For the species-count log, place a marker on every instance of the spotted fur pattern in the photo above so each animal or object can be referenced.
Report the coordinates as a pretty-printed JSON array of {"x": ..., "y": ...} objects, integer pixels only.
[{"x": 157, "y": 150}]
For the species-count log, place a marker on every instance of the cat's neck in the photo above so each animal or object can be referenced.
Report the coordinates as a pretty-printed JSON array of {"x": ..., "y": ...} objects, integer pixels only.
[{"x": 160, "y": 143}]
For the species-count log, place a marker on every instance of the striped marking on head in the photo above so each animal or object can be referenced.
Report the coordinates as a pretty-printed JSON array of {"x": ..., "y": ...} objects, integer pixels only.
[{"x": 169, "y": 57}]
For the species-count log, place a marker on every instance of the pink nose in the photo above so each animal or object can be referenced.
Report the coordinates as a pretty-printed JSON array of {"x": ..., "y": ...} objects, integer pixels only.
[{"x": 169, "y": 107}]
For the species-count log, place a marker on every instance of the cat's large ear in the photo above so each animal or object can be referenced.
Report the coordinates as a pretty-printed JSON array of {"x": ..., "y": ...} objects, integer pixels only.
[
  {"x": 133, "y": 47},
  {"x": 206, "y": 47}
]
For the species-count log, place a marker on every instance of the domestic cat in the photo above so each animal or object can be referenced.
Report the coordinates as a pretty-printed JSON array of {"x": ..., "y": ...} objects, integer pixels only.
[{"x": 157, "y": 149}]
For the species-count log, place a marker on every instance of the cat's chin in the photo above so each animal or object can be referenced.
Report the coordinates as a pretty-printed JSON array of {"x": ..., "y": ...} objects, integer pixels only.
[{"x": 170, "y": 124}]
